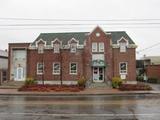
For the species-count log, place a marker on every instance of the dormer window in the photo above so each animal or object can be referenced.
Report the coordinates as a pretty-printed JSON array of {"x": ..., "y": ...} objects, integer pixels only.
[
  {"x": 73, "y": 47},
  {"x": 41, "y": 48},
  {"x": 56, "y": 48},
  {"x": 122, "y": 44},
  {"x": 123, "y": 47}
]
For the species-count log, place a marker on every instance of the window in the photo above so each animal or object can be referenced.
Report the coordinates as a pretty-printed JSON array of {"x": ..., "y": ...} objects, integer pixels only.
[
  {"x": 123, "y": 68},
  {"x": 56, "y": 48},
  {"x": 122, "y": 47},
  {"x": 56, "y": 68},
  {"x": 40, "y": 68},
  {"x": 101, "y": 47},
  {"x": 40, "y": 48},
  {"x": 94, "y": 47},
  {"x": 73, "y": 68},
  {"x": 73, "y": 48}
]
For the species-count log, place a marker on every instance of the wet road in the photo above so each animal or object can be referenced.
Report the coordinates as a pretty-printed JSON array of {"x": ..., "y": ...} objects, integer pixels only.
[{"x": 110, "y": 107}]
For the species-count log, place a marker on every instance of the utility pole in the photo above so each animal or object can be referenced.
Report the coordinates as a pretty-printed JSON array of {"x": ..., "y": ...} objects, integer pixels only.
[{"x": 61, "y": 60}]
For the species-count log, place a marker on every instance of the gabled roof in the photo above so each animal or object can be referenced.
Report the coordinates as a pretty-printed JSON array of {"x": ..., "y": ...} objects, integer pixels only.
[{"x": 81, "y": 36}]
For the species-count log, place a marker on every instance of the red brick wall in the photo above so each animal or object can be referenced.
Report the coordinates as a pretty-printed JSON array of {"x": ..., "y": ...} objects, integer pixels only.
[
  {"x": 107, "y": 53},
  {"x": 83, "y": 57},
  {"x": 65, "y": 57},
  {"x": 129, "y": 57},
  {"x": 153, "y": 71}
]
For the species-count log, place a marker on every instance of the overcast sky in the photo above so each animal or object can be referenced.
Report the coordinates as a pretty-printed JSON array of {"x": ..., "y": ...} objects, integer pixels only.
[{"x": 143, "y": 35}]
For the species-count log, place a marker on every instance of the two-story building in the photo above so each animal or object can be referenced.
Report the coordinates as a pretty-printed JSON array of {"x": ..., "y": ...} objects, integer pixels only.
[{"x": 96, "y": 55}]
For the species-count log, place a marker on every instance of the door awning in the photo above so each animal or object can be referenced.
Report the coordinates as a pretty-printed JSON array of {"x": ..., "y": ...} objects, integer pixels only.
[{"x": 98, "y": 63}]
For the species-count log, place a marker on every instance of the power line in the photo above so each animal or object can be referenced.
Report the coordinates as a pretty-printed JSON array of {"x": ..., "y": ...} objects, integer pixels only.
[
  {"x": 77, "y": 27},
  {"x": 38, "y": 19},
  {"x": 148, "y": 47},
  {"x": 77, "y": 24}
]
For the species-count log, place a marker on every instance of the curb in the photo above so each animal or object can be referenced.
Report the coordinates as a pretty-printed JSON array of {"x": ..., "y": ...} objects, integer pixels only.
[{"x": 80, "y": 94}]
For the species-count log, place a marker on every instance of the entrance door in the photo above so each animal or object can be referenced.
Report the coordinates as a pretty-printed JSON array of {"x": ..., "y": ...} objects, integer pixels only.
[
  {"x": 98, "y": 74},
  {"x": 20, "y": 74}
]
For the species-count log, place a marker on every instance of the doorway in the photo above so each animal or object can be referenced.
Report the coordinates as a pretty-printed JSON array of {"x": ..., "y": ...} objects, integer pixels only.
[{"x": 98, "y": 74}]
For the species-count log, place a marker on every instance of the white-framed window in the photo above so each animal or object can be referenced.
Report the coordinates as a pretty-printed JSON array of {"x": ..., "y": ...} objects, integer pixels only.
[
  {"x": 40, "y": 48},
  {"x": 101, "y": 47},
  {"x": 122, "y": 47},
  {"x": 73, "y": 48},
  {"x": 56, "y": 68},
  {"x": 73, "y": 68},
  {"x": 56, "y": 48},
  {"x": 40, "y": 68},
  {"x": 123, "y": 67},
  {"x": 94, "y": 47}
]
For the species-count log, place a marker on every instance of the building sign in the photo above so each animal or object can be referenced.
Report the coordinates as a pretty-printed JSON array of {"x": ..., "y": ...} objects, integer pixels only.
[{"x": 98, "y": 63}]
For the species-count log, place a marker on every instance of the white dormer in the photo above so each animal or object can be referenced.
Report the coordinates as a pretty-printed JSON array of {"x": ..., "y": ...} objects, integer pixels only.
[
  {"x": 40, "y": 44},
  {"x": 73, "y": 40},
  {"x": 122, "y": 43},
  {"x": 56, "y": 44},
  {"x": 40, "y": 41},
  {"x": 56, "y": 41},
  {"x": 73, "y": 43}
]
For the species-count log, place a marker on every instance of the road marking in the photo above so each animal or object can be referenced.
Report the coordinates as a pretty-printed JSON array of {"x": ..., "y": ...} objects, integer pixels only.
[{"x": 82, "y": 115}]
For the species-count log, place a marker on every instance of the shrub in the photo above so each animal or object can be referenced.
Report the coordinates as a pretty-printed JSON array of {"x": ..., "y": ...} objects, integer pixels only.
[
  {"x": 82, "y": 81},
  {"x": 152, "y": 80},
  {"x": 116, "y": 82},
  {"x": 128, "y": 87},
  {"x": 30, "y": 81}
]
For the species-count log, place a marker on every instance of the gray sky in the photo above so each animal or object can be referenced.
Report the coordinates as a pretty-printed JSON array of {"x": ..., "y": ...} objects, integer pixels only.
[{"x": 143, "y": 35}]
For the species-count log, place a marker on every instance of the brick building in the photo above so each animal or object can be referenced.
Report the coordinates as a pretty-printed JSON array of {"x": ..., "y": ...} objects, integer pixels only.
[
  {"x": 149, "y": 67},
  {"x": 52, "y": 57},
  {"x": 3, "y": 66}
]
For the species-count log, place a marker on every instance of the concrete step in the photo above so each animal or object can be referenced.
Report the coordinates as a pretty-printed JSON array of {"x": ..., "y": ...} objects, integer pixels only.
[
  {"x": 99, "y": 85},
  {"x": 12, "y": 84}
]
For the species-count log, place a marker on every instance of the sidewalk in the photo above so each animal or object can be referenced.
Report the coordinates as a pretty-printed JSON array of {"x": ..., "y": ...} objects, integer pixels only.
[{"x": 89, "y": 91}]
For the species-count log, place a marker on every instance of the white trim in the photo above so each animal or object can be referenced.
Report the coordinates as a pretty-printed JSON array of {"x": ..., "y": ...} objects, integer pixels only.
[
  {"x": 100, "y": 49},
  {"x": 129, "y": 46},
  {"x": 73, "y": 39},
  {"x": 100, "y": 29},
  {"x": 53, "y": 72},
  {"x": 40, "y": 41},
  {"x": 125, "y": 70},
  {"x": 98, "y": 81},
  {"x": 58, "y": 82},
  {"x": 75, "y": 70},
  {"x": 122, "y": 38},
  {"x": 56, "y": 39},
  {"x": 96, "y": 47}
]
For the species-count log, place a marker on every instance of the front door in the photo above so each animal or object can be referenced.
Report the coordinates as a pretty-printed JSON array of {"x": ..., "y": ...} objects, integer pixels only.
[
  {"x": 19, "y": 74},
  {"x": 98, "y": 74}
]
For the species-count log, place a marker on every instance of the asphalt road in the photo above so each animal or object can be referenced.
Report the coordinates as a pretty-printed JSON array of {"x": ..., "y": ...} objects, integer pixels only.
[{"x": 101, "y": 107}]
